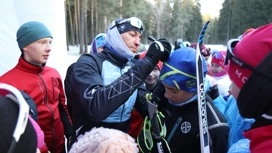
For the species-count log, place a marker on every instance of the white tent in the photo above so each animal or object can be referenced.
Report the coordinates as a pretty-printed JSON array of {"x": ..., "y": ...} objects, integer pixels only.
[{"x": 14, "y": 13}]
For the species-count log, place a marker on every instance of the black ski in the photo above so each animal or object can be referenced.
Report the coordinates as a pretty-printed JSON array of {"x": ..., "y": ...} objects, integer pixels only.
[{"x": 202, "y": 113}]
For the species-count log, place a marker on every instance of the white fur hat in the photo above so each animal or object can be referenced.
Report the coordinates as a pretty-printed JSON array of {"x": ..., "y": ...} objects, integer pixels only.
[{"x": 105, "y": 140}]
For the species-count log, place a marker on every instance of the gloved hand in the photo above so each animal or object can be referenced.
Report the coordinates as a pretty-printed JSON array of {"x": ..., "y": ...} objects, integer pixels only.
[{"x": 159, "y": 50}]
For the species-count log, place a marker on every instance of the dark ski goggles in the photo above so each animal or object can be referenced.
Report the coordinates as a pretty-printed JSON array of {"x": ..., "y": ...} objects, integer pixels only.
[
  {"x": 231, "y": 56},
  {"x": 15, "y": 95}
]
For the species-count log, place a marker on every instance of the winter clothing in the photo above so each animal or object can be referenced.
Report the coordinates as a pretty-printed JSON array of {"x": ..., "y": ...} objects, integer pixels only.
[
  {"x": 44, "y": 86},
  {"x": 247, "y": 31},
  {"x": 30, "y": 32},
  {"x": 97, "y": 42},
  {"x": 186, "y": 44},
  {"x": 180, "y": 69},
  {"x": 222, "y": 78},
  {"x": 136, "y": 119},
  {"x": 115, "y": 42},
  {"x": 158, "y": 50},
  {"x": 136, "y": 123},
  {"x": 68, "y": 89},
  {"x": 178, "y": 44},
  {"x": 34, "y": 113},
  {"x": 183, "y": 135},
  {"x": 9, "y": 111},
  {"x": 246, "y": 50},
  {"x": 220, "y": 103},
  {"x": 40, "y": 136},
  {"x": 237, "y": 124},
  {"x": 106, "y": 101},
  {"x": 185, "y": 138},
  {"x": 159, "y": 65},
  {"x": 110, "y": 87},
  {"x": 130, "y": 24},
  {"x": 242, "y": 146},
  {"x": 223, "y": 84},
  {"x": 219, "y": 59},
  {"x": 254, "y": 80},
  {"x": 105, "y": 140},
  {"x": 260, "y": 139}
]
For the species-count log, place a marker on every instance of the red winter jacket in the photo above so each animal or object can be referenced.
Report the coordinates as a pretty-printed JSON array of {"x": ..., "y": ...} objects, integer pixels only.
[
  {"x": 260, "y": 139},
  {"x": 135, "y": 124},
  {"x": 44, "y": 86}
]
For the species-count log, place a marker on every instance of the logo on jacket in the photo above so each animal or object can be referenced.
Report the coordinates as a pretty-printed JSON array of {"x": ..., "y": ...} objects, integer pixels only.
[
  {"x": 185, "y": 127},
  {"x": 88, "y": 94}
]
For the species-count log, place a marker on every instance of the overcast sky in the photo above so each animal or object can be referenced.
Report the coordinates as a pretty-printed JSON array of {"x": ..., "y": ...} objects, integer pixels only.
[{"x": 211, "y": 7}]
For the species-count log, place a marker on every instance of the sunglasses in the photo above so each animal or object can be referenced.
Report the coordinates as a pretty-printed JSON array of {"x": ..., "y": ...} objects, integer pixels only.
[
  {"x": 15, "y": 95},
  {"x": 135, "y": 22}
]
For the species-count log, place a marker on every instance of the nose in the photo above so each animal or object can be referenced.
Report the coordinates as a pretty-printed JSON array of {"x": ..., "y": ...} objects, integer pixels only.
[
  {"x": 151, "y": 73},
  {"x": 167, "y": 94},
  {"x": 48, "y": 47},
  {"x": 138, "y": 42}
]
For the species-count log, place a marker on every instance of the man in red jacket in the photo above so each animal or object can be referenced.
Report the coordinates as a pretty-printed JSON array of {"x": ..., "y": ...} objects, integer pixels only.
[{"x": 42, "y": 83}]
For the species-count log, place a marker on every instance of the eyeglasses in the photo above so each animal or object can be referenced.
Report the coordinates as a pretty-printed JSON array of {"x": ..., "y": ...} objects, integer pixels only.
[
  {"x": 135, "y": 22},
  {"x": 230, "y": 55},
  {"x": 15, "y": 95}
]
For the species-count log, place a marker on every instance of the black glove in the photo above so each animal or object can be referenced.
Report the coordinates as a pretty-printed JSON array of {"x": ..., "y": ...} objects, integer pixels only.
[{"x": 159, "y": 50}]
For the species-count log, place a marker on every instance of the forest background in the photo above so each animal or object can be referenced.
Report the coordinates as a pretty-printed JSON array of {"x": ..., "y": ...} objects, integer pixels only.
[{"x": 171, "y": 19}]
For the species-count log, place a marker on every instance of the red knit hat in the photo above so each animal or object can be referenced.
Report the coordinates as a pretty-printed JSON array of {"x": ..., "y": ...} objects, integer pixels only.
[
  {"x": 219, "y": 58},
  {"x": 159, "y": 64},
  {"x": 251, "y": 50}
]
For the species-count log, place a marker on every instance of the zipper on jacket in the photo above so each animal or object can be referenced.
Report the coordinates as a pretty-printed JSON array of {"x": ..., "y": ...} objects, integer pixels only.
[
  {"x": 121, "y": 117},
  {"x": 52, "y": 119}
]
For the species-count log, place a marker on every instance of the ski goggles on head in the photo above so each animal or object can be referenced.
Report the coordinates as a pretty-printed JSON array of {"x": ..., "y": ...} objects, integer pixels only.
[
  {"x": 15, "y": 95},
  {"x": 231, "y": 56},
  {"x": 133, "y": 21},
  {"x": 218, "y": 56}
]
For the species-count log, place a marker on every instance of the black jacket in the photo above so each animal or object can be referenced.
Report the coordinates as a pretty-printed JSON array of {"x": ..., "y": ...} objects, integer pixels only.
[
  {"x": 93, "y": 101},
  {"x": 186, "y": 137}
]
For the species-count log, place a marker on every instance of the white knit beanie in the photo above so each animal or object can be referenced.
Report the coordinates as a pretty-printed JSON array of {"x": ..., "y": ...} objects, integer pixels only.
[{"x": 105, "y": 140}]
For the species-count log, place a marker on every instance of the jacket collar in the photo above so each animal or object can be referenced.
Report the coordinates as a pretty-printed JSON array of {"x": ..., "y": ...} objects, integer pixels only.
[
  {"x": 115, "y": 59},
  {"x": 28, "y": 67}
]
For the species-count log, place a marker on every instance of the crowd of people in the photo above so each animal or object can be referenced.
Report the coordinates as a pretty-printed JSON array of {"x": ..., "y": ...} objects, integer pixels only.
[{"x": 121, "y": 97}]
